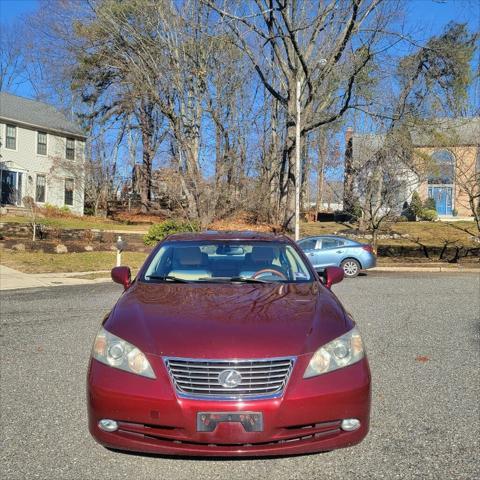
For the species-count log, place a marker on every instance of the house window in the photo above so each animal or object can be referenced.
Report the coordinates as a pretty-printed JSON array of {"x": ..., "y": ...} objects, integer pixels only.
[
  {"x": 442, "y": 169},
  {"x": 11, "y": 137},
  {"x": 70, "y": 152},
  {"x": 69, "y": 186},
  {"x": 40, "y": 189},
  {"x": 41, "y": 143}
]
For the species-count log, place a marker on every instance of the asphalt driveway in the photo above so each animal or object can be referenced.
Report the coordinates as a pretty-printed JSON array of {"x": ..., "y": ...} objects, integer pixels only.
[{"x": 422, "y": 336}]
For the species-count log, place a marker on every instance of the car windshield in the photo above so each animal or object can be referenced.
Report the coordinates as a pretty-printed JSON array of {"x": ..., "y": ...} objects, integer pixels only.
[{"x": 227, "y": 261}]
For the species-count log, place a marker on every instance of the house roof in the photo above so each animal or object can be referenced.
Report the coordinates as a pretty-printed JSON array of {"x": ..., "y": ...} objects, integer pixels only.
[
  {"x": 36, "y": 114},
  {"x": 436, "y": 133}
]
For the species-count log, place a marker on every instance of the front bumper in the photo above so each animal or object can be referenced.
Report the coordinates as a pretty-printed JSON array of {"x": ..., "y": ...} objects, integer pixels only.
[{"x": 153, "y": 419}]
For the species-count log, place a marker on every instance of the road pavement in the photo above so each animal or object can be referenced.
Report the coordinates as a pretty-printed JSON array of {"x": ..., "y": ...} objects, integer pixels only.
[{"x": 422, "y": 336}]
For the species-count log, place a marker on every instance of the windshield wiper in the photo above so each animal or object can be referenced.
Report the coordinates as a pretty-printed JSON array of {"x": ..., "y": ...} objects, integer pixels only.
[
  {"x": 248, "y": 280},
  {"x": 231, "y": 280},
  {"x": 167, "y": 278}
]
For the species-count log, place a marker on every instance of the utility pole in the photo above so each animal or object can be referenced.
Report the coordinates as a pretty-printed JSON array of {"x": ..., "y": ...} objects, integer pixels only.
[{"x": 298, "y": 182}]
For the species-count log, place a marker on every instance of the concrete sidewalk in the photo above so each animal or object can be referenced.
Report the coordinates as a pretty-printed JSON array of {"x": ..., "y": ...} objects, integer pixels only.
[{"x": 11, "y": 279}]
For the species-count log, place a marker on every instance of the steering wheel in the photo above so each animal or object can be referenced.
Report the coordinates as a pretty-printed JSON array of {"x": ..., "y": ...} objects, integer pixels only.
[{"x": 271, "y": 271}]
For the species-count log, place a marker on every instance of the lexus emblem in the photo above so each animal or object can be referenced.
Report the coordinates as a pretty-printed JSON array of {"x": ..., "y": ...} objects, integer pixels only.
[{"x": 229, "y": 378}]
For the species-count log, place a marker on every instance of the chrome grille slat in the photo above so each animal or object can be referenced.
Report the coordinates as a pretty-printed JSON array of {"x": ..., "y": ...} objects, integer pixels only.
[
  {"x": 216, "y": 372},
  {"x": 198, "y": 378},
  {"x": 262, "y": 377},
  {"x": 188, "y": 382},
  {"x": 231, "y": 390},
  {"x": 222, "y": 367}
]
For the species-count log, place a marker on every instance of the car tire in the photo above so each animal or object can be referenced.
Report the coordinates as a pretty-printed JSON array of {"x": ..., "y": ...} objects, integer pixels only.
[{"x": 351, "y": 267}]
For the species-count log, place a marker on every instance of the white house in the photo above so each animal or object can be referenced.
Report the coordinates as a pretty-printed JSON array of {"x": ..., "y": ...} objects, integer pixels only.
[{"x": 42, "y": 155}]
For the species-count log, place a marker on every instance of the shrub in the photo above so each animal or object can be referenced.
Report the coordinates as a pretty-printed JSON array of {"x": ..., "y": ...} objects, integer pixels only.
[
  {"x": 416, "y": 206},
  {"x": 53, "y": 211},
  {"x": 402, "y": 218},
  {"x": 356, "y": 210},
  {"x": 428, "y": 215},
  {"x": 159, "y": 231},
  {"x": 429, "y": 204}
]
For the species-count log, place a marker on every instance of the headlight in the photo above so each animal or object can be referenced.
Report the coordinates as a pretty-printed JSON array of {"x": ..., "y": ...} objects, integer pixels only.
[
  {"x": 341, "y": 352},
  {"x": 115, "y": 352}
]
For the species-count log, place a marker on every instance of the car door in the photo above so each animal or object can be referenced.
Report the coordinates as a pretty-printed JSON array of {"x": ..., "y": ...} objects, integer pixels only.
[
  {"x": 309, "y": 246},
  {"x": 329, "y": 252}
]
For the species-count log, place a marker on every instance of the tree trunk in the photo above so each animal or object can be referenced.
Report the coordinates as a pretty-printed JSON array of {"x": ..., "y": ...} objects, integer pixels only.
[
  {"x": 287, "y": 179},
  {"x": 349, "y": 178},
  {"x": 322, "y": 155}
]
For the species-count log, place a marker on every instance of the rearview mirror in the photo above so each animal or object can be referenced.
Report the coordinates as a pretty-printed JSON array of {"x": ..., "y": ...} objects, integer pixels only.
[
  {"x": 333, "y": 275},
  {"x": 122, "y": 275}
]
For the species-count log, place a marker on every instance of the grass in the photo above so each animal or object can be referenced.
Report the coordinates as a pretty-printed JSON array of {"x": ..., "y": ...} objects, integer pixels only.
[
  {"x": 73, "y": 222},
  {"x": 36, "y": 262},
  {"x": 427, "y": 233}
]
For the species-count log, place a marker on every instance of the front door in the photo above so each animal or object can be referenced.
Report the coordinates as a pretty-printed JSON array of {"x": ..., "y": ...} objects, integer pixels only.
[
  {"x": 443, "y": 199},
  {"x": 11, "y": 186}
]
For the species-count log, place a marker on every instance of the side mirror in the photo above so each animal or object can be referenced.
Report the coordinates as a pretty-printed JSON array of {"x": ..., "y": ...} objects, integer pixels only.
[
  {"x": 333, "y": 275},
  {"x": 122, "y": 275}
]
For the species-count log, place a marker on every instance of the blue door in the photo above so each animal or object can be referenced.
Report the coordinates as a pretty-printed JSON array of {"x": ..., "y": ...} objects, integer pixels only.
[{"x": 443, "y": 199}]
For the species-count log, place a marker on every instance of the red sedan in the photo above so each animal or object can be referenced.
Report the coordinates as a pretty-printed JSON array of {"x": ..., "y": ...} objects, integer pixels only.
[{"x": 228, "y": 344}]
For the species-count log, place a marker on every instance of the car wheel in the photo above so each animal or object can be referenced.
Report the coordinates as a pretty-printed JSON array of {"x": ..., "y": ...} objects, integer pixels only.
[{"x": 351, "y": 267}]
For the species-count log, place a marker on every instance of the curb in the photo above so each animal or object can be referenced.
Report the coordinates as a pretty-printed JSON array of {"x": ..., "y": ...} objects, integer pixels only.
[{"x": 427, "y": 269}]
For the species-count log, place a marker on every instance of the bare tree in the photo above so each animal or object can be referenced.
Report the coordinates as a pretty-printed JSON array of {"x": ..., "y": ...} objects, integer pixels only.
[
  {"x": 12, "y": 61},
  {"x": 311, "y": 42}
]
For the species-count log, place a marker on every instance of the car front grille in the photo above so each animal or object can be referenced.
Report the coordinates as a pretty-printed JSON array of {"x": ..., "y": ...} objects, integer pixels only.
[{"x": 264, "y": 378}]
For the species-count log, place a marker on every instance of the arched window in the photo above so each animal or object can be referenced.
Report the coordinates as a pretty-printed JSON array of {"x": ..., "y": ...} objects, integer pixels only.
[{"x": 443, "y": 168}]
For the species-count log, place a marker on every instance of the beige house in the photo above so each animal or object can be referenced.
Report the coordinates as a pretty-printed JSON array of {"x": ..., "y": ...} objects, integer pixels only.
[
  {"x": 447, "y": 155},
  {"x": 42, "y": 155}
]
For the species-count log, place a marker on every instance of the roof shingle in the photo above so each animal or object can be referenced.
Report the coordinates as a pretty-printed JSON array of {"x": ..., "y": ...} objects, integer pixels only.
[{"x": 36, "y": 114}]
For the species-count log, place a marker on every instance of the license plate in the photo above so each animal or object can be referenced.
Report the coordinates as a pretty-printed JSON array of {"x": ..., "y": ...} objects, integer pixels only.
[{"x": 208, "y": 421}]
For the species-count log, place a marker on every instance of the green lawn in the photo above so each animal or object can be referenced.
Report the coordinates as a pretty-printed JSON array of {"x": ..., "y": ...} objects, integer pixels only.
[
  {"x": 427, "y": 233},
  {"x": 35, "y": 262},
  {"x": 85, "y": 222}
]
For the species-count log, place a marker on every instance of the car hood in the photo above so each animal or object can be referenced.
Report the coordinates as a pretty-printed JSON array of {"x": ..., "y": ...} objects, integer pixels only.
[{"x": 227, "y": 320}]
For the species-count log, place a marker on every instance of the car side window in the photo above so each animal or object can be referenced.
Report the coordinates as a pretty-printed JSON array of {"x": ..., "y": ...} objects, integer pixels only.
[
  {"x": 329, "y": 243},
  {"x": 308, "y": 244}
]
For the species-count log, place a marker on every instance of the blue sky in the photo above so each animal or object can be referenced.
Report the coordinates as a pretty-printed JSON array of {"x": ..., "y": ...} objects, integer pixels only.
[
  {"x": 11, "y": 10},
  {"x": 427, "y": 17},
  {"x": 424, "y": 17},
  {"x": 430, "y": 14}
]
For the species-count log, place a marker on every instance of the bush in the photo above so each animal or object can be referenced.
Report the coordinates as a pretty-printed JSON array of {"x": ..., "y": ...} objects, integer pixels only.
[
  {"x": 416, "y": 206},
  {"x": 429, "y": 204},
  {"x": 402, "y": 218},
  {"x": 428, "y": 215},
  {"x": 53, "y": 211},
  {"x": 159, "y": 231},
  {"x": 357, "y": 210}
]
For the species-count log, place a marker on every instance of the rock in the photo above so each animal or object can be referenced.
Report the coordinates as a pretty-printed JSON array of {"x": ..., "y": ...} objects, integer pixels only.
[
  {"x": 61, "y": 249},
  {"x": 3, "y": 211},
  {"x": 20, "y": 247},
  {"x": 88, "y": 248}
]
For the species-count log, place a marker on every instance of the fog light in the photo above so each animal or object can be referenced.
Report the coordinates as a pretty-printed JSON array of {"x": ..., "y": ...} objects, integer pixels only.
[
  {"x": 108, "y": 425},
  {"x": 350, "y": 424}
]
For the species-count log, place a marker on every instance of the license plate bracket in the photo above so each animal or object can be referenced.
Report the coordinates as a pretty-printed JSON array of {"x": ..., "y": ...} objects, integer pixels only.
[{"x": 208, "y": 421}]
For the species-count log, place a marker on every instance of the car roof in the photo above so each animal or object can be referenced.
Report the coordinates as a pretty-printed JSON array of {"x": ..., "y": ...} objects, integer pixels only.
[
  {"x": 336, "y": 237},
  {"x": 229, "y": 235}
]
